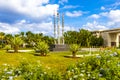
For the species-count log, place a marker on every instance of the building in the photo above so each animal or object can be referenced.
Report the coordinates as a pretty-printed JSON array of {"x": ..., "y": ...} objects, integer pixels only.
[{"x": 111, "y": 37}]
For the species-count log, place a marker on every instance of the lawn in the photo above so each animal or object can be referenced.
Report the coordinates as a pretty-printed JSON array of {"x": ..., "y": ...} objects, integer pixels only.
[
  {"x": 55, "y": 66},
  {"x": 54, "y": 60}
]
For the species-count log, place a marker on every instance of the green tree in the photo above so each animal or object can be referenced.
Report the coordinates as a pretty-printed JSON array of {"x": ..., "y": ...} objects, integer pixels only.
[
  {"x": 16, "y": 42},
  {"x": 71, "y": 37},
  {"x": 8, "y": 38},
  {"x": 74, "y": 49},
  {"x": 85, "y": 38},
  {"x": 42, "y": 47}
]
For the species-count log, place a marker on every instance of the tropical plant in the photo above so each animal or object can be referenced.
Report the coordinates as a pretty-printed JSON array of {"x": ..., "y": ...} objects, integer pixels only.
[
  {"x": 42, "y": 47},
  {"x": 16, "y": 42},
  {"x": 7, "y": 47},
  {"x": 74, "y": 49}
]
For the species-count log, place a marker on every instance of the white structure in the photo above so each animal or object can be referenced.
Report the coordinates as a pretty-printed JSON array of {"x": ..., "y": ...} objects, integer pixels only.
[
  {"x": 60, "y": 39},
  {"x": 111, "y": 37}
]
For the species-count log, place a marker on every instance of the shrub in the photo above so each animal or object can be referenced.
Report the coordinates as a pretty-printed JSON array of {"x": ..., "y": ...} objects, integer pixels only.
[
  {"x": 105, "y": 66},
  {"x": 74, "y": 49},
  {"x": 42, "y": 47},
  {"x": 7, "y": 47}
]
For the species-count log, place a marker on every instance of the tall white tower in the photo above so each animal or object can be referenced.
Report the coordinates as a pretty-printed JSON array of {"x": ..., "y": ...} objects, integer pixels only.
[
  {"x": 54, "y": 28},
  {"x": 63, "y": 28},
  {"x": 58, "y": 27}
]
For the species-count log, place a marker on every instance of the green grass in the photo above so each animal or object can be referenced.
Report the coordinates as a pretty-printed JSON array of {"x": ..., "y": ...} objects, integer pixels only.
[{"x": 55, "y": 60}]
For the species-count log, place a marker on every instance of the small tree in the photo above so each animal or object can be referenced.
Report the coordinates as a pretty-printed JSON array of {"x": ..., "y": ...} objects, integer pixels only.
[
  {"x": 42, "y": 47},
  {"x": 16, "y": 42},
  {"x": 74, "y": 49},
  {"x": 7, "y": 47}
]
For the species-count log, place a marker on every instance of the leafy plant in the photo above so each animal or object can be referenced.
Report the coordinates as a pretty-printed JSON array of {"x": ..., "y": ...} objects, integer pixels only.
[
  {"x": 16, "y": 42},
  {"x": 42, "y": 47},
  {"x": 74, "y": 49},
  {"x": 7, "y": 47},
  {"x": 105, "y": 66}
]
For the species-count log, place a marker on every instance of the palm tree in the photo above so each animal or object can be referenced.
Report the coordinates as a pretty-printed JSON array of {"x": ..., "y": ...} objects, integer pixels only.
[
  {"x": 42, "y": 47},
  {"x": 74, "y": 49},
  {"x": 16, "y": 42},
  {"x": 8, "y": 38}
]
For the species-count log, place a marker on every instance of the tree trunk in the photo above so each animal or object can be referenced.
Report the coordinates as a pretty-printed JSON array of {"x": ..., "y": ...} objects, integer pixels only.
[
  {"x": 74, "y": 54},
  {"x": 16, "y": 49}
]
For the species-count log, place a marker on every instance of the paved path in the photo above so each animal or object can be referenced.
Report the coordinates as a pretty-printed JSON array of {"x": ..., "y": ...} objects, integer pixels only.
[
  {"x": 21, "y": 50},
  {"x": 88, "y": 49}
]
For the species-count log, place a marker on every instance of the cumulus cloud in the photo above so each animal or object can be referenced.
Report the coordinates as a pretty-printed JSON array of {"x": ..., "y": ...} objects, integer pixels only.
[
  {"x": 74, "y": 13},
  {"x": 102, "y": 8},
  {"x": 33, "y": 8},
  {"x": 94, "y": 26},
  {"x": 62, "y": 1},
  {"x": 7, "y": 28},
  {"x": 113, "y": 17},
  {"x": 44, "y": 27},
  {"x": 70, "y": 7},
  {"x": 95, "y": 16}
]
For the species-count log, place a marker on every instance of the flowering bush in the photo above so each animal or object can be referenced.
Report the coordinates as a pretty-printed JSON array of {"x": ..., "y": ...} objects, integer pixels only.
[{"x": 105, "y": 66}]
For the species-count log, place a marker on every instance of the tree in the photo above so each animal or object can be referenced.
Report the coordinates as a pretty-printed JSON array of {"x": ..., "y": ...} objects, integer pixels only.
[
  {"x": 74, "y": 49},
  {"x": 71, "y": 37},
  {"x": 8, "y": 38},
  {"x": 16, "y": 42},
  {"x": 42, "y": 47},
  {"x": 85, "y": 37}
]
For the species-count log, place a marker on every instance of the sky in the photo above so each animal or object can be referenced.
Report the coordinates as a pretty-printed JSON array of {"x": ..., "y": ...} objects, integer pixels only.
[{"x": 37, "y": 15}]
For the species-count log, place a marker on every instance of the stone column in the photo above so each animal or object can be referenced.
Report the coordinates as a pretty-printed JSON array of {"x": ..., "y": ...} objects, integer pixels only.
[
  {"x": 54, "y": 28},
  {"x": 62, "y": 29},
  {"x": 58, "y": 27},
  {"x": 117, "y": 40}
]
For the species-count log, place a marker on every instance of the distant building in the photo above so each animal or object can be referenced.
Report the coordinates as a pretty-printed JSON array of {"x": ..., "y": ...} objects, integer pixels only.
[{"x": 111, "y": 37}]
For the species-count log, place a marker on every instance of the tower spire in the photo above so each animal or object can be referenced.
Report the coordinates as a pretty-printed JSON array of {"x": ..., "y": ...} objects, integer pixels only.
[
  {"x": 54, "y": 27},
  {"x": 58, "y": 27},
  {"x": 63, "y": 28}
]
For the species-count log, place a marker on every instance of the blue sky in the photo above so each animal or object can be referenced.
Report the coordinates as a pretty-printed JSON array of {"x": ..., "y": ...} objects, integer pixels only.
[{"x": 37, "y": 15}]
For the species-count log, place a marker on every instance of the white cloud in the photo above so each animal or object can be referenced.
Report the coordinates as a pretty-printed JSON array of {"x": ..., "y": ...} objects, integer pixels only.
[
  {"x": 94, "y": 26},
  {"x": 113, "y": 17},
  {"x": 45, "y": 27},
  {"x": 74, "y": 13},
  {"x": 70, "y": 7},
  {"x": 7, "y": 28},
  {"x": 34, "y": 8},
  {"x": 95, "y": 16},
  {"x": 62, "y": 1},
  {"x": 102, "y": 8}
]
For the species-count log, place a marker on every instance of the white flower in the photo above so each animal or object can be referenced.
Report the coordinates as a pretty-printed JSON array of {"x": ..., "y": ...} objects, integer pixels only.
[
  {"x": 5, "y": 69},
  {"x": 82, "y": 71},
  {"x": 10, "y": 77},
  {"x": 81, "y": 74},
  {"x": 68, "y": 71},
  {"x": 115, "y": 54},
  {"x": 41, "y": 74},
  {"x": 98, "y": 57},
  {"x": 100, "y": 75},
  {"x": 10, "y": 72},
  {"x": 70, "y": 78},
  {"x": 72, "y": 70},
  {"x": 88, "y": 75},
  {"x": 111, "y": 55},
  {"x": 75, "y": 76},
  {"x": 45, "y": 72}
]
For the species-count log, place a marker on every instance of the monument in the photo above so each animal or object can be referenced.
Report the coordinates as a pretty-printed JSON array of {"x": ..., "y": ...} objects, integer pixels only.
[{"x": 59, "y": 44}]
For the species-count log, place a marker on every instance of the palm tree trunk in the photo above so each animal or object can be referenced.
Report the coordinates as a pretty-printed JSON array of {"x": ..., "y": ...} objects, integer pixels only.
[
  {"x": 74, "y": 54},
  {"x": 16, "y": 49}
]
